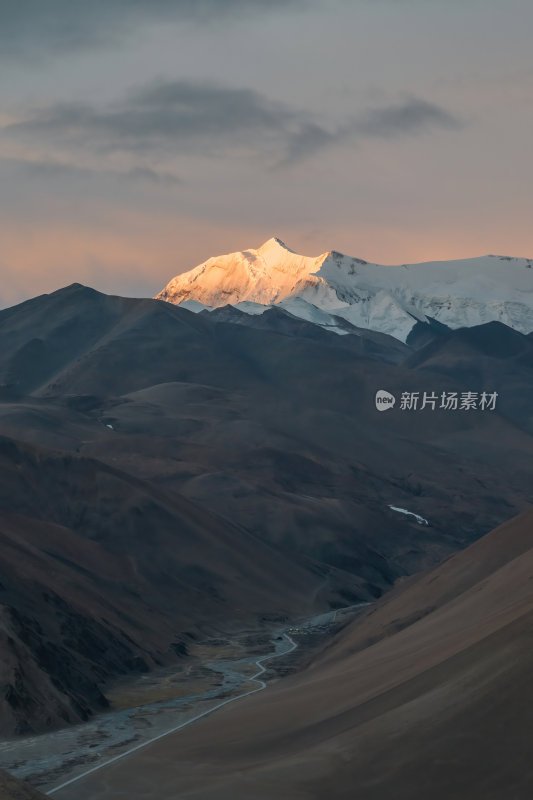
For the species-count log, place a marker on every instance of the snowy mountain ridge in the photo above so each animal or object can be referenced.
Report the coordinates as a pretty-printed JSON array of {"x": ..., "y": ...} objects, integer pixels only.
[{"x": 388, "y": 299}]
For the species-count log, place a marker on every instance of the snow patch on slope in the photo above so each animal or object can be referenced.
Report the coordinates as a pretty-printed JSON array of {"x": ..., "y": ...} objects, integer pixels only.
[
  {"x": 248, "y": 307},
  {"x": 195, "y": 306},
  {"x": 419, "y": 519},
  {"x": 301, "y": 308}
]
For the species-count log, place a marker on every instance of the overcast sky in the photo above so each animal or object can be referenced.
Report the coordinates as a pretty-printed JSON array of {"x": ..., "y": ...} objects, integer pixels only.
[{"x": 140, "y": 137}]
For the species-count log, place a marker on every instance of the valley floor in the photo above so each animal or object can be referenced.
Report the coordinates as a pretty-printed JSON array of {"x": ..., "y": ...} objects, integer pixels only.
[{"x": 222, "y": 668}]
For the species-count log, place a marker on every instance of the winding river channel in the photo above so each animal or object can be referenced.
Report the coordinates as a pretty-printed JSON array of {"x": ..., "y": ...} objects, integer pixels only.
[{"x": 52, "y": 760}]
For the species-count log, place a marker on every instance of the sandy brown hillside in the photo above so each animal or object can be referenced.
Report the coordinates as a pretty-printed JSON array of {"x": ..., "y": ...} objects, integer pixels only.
[{"x": 429, "y": 694}]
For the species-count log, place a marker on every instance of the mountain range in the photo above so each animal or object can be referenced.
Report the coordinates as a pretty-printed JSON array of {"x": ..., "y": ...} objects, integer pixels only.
[
  {"x": 166, "y": 471},
  {"x": 341, "y": 293}
]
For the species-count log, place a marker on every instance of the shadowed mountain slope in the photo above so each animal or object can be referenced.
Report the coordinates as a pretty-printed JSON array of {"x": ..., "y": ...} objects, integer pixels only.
[{"x": 102, "y": 573}]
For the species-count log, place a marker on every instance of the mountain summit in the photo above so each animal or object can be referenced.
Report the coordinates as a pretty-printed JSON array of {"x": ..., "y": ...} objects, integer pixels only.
[
  {"x": 270, "y": 274},
  {"x": 333, "y": 287}
]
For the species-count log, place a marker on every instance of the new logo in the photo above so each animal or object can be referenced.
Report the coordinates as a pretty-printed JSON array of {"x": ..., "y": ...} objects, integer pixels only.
[{"x": 384, "y": 400}]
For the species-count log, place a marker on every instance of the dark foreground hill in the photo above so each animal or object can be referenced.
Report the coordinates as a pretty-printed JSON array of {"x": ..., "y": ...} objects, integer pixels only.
[
  {"x": 103, "y": 574},
  {"x": 427, "y": 694},
  {"x": 12, "y": 789},
  {"x": 164, "y": 472}
]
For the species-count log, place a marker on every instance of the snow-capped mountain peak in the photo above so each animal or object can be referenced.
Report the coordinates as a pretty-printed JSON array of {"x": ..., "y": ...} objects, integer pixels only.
[
  {"x": 265, "y": 275},
  {"x": 389, "y": 299},
  {"x": 274, "y": 245}
]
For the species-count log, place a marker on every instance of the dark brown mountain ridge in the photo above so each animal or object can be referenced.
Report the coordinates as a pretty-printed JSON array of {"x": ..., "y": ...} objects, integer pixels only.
[{"x": 165, "y": 471}]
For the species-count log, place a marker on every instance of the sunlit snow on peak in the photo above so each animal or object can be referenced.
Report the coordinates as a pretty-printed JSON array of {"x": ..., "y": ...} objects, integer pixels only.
[{"x": 390, "y": 299}]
